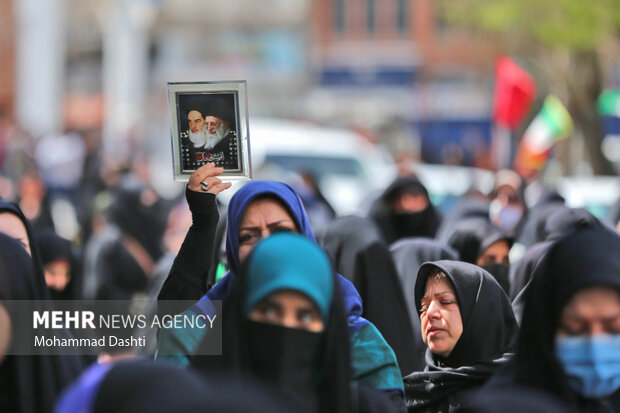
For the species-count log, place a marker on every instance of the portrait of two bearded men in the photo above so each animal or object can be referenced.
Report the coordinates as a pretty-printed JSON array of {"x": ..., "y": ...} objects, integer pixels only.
[{"x": 210, "y": 135}]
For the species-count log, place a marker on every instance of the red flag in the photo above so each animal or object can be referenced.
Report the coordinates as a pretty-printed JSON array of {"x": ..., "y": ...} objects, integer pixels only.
[{"x": 515, "y": 91}]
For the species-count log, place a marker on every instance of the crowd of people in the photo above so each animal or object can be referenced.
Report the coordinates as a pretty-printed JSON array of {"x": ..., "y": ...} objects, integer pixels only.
[{"x": 510, "y": 302}]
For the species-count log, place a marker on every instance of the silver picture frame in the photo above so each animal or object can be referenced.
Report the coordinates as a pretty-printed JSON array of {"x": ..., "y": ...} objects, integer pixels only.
[{"x": 209, "y": 123}]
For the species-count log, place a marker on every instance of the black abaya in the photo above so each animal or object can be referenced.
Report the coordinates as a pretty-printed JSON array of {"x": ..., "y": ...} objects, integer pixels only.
[
  {"x": 360, "y": 255},
  {"x": 585, "y": 258},
  {"x": 33, "y": 382}
]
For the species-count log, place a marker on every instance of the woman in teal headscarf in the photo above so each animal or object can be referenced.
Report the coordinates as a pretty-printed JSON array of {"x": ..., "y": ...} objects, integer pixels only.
[{"x": 284, "y": 325}]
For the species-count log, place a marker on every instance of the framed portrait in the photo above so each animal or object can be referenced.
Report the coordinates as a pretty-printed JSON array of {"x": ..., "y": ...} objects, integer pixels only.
[{"x": 209, "y": 123}]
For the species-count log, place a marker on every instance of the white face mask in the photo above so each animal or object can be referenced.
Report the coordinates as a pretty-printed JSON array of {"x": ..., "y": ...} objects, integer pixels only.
[{"x": 506, "y": 217}]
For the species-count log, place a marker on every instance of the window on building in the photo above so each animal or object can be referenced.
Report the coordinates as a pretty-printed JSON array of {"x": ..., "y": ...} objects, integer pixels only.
[
  {"x": 402, "y": 15},
  {"x": 370, "y": 16},
  {"x": 339, "y": 15}
]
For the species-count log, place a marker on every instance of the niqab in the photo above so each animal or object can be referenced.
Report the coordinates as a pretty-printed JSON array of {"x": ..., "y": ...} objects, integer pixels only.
[
  {"x": 330, "y": 368},
  {"x": 394, "y": 225}
]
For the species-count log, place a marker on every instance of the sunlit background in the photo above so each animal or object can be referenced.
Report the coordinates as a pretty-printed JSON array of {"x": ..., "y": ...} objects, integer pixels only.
[{"x": 414, "y": 76}]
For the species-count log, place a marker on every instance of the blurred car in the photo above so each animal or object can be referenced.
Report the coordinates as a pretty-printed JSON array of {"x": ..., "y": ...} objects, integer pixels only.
[
  {"x": 446, "y": 184},
  {"x": 345, "y": 165}
]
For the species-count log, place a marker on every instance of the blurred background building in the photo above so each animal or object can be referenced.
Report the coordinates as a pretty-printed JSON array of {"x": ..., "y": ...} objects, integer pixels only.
[{"x": 404, "y": 73}]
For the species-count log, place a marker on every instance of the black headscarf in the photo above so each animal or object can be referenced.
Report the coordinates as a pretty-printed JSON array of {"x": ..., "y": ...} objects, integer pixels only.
[
  {"x": 489, "y": 329},
  {"x": 471, "y": 238},
  {"x": 530, "y": 223},
  {"x": 144, "y": 386},
  {"x": 409, "y": 254},
  {"x": 39, "y": 287},
  {"x": 613, "y": 215},
  {"x": 394, "y": 225},
  {"x": 138, "y": 212},
  {"x": 521, "y": 273},
  {"x": 514, "y": 399},
  {"x": 54, "y": 247},
  {"x": 140, "y": 215},
  {"x": 238, "y": 358},
  {"x": 360, "y": 255},
  {"x": 560, "y": 222},
  {"x": 587, "y": 257},
  {"x": 29, "y": 383},
  {"x": 465, "y": 209}
]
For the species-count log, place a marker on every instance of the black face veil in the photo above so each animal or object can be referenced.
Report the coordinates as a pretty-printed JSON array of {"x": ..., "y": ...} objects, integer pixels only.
[{"x": 331, "y": 366}]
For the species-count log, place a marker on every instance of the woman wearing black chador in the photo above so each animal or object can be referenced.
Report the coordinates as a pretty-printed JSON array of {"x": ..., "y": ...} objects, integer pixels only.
[{"x": 467, "y": 324}]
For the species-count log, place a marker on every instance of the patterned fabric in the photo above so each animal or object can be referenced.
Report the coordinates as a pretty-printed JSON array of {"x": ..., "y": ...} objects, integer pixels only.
[{"x": 225, "y": 154}]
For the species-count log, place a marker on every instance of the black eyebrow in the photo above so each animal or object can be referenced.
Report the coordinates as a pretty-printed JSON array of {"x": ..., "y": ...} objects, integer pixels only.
[
  {"x": 268, "y": 301},
  {"x": 273, "y": 224}
]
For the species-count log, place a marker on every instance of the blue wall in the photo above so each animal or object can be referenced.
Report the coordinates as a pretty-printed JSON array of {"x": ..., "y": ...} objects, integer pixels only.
[{"x": 466, "y": 134}]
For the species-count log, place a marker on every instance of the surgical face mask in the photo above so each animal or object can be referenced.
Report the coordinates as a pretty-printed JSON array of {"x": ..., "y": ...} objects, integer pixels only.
[
  {"x": 506, "y": 217},
  {"x": 591, "y": 364}
]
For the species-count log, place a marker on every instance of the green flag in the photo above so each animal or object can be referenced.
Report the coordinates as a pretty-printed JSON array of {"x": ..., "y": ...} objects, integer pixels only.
[{"x": 609, "y": 103}]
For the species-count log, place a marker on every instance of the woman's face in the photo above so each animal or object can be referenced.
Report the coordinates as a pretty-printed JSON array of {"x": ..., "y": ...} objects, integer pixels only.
[
  {"x": 290, "y": 309},
  {"x": 57, "y": 274},
  {"x": 12, "y": 226},
  {"x": 408, "y": 202},
  {"x": 262, "y": 218},
  {"x": 497, "y": 253},
  {"x": 592, "y": 311},
  {"x": 440, "y": 318}
]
